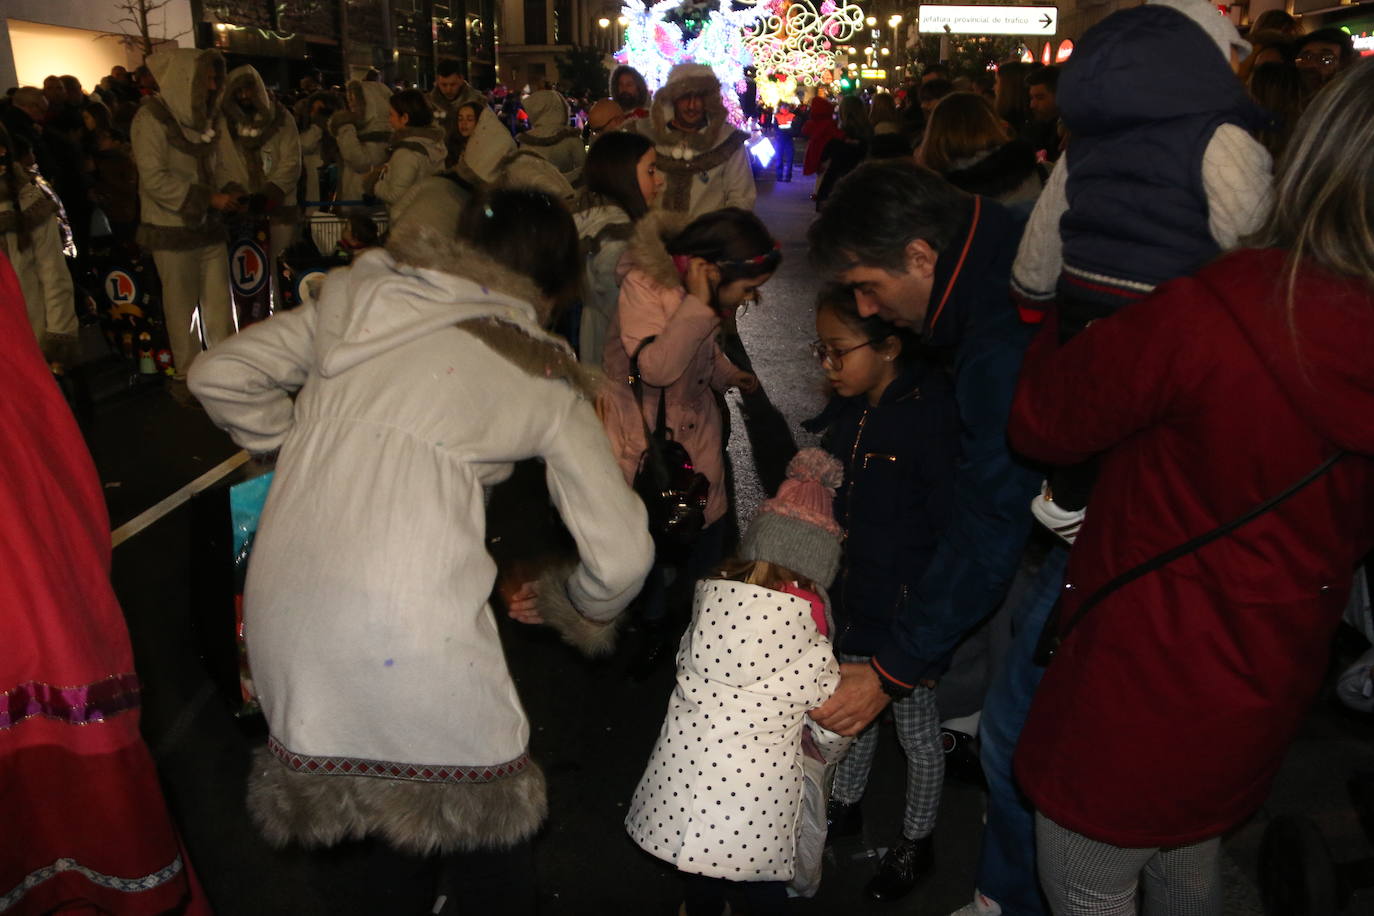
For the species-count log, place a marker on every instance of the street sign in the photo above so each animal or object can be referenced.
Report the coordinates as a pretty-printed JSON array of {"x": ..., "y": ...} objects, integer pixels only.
[
  {"x": 870, "y": 74},
  {"x": 938, "y": 19}
]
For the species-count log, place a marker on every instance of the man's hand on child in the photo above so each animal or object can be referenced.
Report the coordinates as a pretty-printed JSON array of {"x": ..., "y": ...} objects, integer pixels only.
[
  {"x": 523, "y": 604},
  {"x": 855, "y": 703}
]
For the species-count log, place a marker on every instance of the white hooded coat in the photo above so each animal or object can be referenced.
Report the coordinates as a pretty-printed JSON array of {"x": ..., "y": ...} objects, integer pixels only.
[
  {"x": 259, "y": 153},
  {"x": 551, "y": 137},
  {"x": 416, "y": 154},
  {"x": 366, "y": 613},
  {"x": 362, "y": 133},
  {"x": 721, "y": 795}
]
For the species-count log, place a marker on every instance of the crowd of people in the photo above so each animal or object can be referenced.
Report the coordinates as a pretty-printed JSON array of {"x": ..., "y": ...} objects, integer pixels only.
[{"x": 1101, "y": 327}]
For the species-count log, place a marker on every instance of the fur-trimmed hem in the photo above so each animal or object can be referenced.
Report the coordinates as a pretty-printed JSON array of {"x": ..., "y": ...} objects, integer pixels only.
[
  {"x": 590, "y": 637},
  {"x": 179, "y": 238},
  {"x": 420, "y": 818},
  {"x": 648, "y": 251}
]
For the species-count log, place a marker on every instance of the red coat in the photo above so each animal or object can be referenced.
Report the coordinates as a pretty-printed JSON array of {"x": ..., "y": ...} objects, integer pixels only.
[
  {"x": 83, "y": 810},
  {"x": 1166, "y": 713},
  {"x": 819, "y": 130}
]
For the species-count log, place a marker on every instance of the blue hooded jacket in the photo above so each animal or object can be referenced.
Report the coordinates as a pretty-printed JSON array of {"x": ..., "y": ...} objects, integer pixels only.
[{"x": 1142, "y": 97}]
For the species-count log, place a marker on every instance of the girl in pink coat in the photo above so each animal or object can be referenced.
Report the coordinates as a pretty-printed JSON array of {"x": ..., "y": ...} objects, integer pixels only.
[{"x": 677, "y": 282}]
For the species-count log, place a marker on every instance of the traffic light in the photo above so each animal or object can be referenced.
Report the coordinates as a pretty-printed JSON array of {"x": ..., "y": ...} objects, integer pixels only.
[{"x": 845, "y": 84}]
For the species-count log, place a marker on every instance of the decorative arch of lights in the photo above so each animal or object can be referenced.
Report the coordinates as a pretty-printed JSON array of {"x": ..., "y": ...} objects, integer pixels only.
[
  {"x": 653, "y": 45},
  {"x": 794, "y": 44}
]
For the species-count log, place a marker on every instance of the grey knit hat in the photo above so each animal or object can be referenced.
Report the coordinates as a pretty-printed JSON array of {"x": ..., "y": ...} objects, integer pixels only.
[{"x": 796, "y": 529}]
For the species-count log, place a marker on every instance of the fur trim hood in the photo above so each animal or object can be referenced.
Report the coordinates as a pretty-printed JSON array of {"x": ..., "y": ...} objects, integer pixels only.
[
  {"x": 183, "y": 77},
  {"x": 527, "y": 169},
  {"x": 264, "y": 112},
  {"x": 430, "y": 139},
  {"x": 548, "y": 112},
  {"x": 370, "y": 101},
  {"x": 489, "y": 144},
  {"x": 648, "y": 248},
  {"x": 995, "y": 172},
  {"x": 683, "y": 80},
  {"x": 424, "y": 281}
]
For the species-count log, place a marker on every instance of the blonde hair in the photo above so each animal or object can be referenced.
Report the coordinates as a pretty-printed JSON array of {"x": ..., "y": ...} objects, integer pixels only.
[
  {"x": 762, "y": 573},
  {"x": 1324, "y": 186},
  {"x": 963, "y": 124}
]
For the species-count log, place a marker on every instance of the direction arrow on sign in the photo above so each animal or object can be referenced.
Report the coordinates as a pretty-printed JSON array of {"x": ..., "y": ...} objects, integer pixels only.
[{"x": 942, "y": 19}]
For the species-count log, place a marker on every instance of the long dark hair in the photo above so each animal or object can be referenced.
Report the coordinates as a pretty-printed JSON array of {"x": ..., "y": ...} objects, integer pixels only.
[
  {"x": 734, "y": 240},
  {"x": 413, "y": 104},
  {"x": 611, "y": 168},
  {"x": 530, "y": 232}
]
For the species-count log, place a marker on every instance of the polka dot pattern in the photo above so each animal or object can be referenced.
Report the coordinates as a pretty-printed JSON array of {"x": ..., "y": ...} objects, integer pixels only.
[{"x": 721, "y": 794}]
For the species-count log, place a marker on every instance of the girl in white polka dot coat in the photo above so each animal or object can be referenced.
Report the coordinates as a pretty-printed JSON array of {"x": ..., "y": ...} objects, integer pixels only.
[{"x": 722, "y": 797}]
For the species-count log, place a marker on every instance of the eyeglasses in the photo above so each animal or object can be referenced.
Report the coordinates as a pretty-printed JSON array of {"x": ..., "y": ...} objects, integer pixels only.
[
  {"x": 1325, "y": 58},
  {"x": 831, "y": 356}
]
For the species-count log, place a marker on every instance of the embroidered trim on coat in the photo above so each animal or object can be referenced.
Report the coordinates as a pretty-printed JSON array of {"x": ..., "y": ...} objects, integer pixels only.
[
  {"x": 113, "y": 882},
  {"x": 79, "y": 705},
  {"x": 386, "y": 769}
]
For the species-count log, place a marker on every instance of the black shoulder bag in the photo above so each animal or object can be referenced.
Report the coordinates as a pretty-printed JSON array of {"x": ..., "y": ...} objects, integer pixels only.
[
  {"x": 674, "y": 493},
  {"x": 1053, "y": 636}
]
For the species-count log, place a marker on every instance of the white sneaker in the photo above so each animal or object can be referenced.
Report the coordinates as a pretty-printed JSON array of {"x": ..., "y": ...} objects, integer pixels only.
[
  {"x": 1061, "y": 521},
  {"x": 982, "y": 905}
]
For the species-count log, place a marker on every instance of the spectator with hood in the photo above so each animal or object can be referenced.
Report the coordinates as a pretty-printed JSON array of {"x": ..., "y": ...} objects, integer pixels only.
[
  {"x": 451, "y": 91},
  {"x": 699, "y": 151},
  {"x": 551, "y": 135},
  {"x": 260, "y": 153},
  {"x": 362, "y": 132},
  {"x": 174, "y": 139}
]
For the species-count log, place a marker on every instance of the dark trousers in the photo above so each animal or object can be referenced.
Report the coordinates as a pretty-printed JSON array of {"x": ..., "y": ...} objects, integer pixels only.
[
  {"x": 707, "y": 896},
  {"x": 782, "y": 140}
]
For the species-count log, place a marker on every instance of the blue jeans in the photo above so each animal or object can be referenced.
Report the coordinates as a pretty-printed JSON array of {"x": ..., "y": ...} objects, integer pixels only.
[{"x": 1006, "y": 867}]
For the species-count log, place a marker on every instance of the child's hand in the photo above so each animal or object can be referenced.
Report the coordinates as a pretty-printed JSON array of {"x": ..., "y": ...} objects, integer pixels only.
[{"x": 523, "y": 604}]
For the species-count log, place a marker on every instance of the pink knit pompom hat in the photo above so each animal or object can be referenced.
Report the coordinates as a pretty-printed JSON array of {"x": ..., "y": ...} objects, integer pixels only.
[{"x": 797, "y": 527}]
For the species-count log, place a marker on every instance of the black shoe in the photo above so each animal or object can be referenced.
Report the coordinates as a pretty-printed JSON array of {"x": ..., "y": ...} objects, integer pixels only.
[
  {"x": 842, "y": 821},
  {"x": 904, "y": 865}
]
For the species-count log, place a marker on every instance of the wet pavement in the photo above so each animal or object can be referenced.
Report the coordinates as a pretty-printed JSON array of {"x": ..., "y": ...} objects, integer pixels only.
[{"x": 593, "y": 723}]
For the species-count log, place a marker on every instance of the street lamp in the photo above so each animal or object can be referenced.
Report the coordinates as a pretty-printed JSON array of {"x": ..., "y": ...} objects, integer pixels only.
[
  {"x": 622, "y": 20},
  {"x": 871, "y": 20},
  {"x": 886, "y": 52},
  {"x": 603, "y": 22}
]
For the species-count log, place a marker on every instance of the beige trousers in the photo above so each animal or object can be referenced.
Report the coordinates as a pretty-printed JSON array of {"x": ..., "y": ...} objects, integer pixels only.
[{"x": 191, "y": 280}]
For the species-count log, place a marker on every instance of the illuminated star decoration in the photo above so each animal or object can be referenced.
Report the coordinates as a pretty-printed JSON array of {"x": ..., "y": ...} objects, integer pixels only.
[
  {"x": 793, "y": 44},
  {"x": 653, "y": 45}
]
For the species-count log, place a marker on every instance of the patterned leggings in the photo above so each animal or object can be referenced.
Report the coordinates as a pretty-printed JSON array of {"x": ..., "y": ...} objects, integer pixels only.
[
  {"x": 918, "y": 731},
  {"x": 1082, "y": 877}
]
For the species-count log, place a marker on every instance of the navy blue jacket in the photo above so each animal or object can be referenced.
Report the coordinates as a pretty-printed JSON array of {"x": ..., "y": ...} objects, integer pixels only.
[
  {"x": 971, "y": 316},
  {"x": 899, "y": 461},
  {"x": 1142, "y": 96}
]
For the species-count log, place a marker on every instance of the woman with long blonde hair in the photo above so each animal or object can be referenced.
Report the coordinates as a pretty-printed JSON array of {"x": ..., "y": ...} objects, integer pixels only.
[{"x": 1230, "y": 411}]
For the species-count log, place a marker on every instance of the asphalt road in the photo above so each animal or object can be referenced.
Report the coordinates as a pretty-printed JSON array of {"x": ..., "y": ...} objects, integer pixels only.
[{"x": 593, "y": 723}]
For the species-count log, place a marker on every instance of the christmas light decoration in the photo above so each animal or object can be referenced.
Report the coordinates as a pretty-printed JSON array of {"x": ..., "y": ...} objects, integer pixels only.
[
  {"x": 794, "y": 44},
  {"x": 654, "y": 44}
]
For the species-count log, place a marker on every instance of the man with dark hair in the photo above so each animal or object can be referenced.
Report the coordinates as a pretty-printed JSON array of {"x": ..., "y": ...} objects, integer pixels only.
[
  {"x": 451, "y": 91},
  {"x": 1324, "y": 54},
  {"x": 936, "y": 71},
  {"x": 1043, "y": 130},
  {"x": 926, "y": 256},
  {"x": 630, "y": 91}
]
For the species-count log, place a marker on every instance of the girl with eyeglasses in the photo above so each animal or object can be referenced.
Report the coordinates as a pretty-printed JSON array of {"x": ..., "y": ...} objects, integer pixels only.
[{"x": 892, "y": 422}]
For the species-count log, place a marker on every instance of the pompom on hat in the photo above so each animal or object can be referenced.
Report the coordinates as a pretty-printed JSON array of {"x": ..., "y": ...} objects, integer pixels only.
[{"x": 797, "y": 528}]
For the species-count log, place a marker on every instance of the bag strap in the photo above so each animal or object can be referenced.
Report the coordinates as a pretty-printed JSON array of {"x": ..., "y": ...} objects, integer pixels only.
[
  {"x": 1182, "y": 550},
  {"x": 637, "y": 385}
]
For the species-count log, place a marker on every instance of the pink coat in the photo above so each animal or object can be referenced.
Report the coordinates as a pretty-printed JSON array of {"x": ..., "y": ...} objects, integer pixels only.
[{"x": 684, "y": 361}]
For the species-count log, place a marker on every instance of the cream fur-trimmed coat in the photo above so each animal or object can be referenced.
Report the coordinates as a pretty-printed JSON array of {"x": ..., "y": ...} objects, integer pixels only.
[
  {"x": 684, "y": 363},
  {"x": 420, "y": 375}
]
